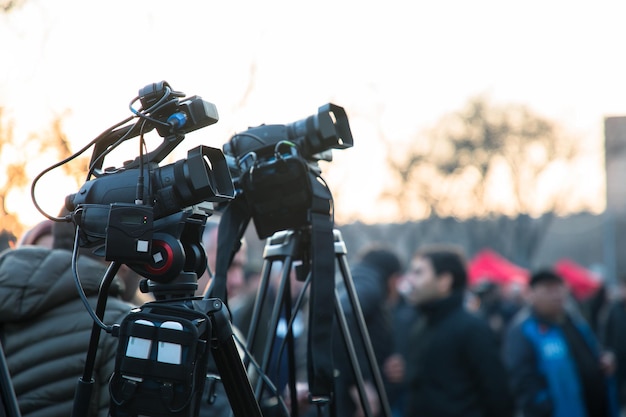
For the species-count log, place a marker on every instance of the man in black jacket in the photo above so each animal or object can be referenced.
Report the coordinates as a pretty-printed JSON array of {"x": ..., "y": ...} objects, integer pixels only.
[{"x": 454, "y": 367}]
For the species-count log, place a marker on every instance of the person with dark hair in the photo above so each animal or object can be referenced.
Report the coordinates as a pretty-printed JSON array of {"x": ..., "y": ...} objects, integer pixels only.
[
  {"x": 7, "y": 240},
  {"x": 45, "y": 328},
  {"x": 404, "y": 316},
  {"x": 454, "y": 367},
  {"x": 556, "y": 365},
  {"x": 39, "y": 235}
]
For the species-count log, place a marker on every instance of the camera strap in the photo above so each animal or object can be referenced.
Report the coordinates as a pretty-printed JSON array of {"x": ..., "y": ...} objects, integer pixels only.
[
  {"x": 322, "y": 292},
  {"x": 233, "y": 224}
]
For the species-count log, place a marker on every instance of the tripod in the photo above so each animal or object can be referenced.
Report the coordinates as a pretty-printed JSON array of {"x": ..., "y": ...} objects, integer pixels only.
[{"x": 287, "y": 247}]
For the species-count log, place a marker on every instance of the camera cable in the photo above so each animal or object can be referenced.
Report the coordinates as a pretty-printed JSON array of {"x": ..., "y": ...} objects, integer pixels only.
[
  {"x": 81, "y": 291},
  {"x": 64, "y": 161},
  {"x": 268, "y": 382}
]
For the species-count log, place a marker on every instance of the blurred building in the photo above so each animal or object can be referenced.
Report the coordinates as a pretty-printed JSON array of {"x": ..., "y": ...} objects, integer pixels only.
[{"x": 615, "y": 215}]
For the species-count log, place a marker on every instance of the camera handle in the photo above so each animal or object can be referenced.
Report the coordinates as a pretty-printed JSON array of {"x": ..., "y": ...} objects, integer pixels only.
[{"x": 287, "y": 246}]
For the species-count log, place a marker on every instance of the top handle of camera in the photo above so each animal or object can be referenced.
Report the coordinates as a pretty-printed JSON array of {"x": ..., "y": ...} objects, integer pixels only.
[{"x": 161, "y": 109}]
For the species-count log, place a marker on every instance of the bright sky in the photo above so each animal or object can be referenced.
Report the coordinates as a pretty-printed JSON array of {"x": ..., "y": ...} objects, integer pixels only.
[{"x": 396, "y": 67}]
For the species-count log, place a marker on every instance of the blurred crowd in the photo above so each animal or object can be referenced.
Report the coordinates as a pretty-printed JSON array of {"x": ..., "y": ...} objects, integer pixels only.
[{"x": 443, "y": 345}]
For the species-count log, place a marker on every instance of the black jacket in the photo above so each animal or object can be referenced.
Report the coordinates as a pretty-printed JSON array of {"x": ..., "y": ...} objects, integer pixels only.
[
  {"x": 454, "y": 368},
  {"x": 46, "y": 329},
  {"x": 614, "y": 335}
]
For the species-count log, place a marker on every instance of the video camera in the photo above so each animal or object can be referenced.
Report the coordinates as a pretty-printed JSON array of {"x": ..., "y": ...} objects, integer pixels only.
[
  {"x": 132, "y": 210},
  {"x": 274, "y": 166},
  {"x": 279, "y": 185},
  {"x": 151, "y": 218}
]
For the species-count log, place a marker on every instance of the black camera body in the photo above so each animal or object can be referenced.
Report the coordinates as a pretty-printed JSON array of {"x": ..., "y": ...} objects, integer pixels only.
[
  {"x": 122, "y": 209},
  {"x": 202, "y": 177}
]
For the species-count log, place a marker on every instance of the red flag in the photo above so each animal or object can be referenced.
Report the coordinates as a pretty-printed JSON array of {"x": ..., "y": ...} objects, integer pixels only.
[
  {"x": 582, "y": 282},
  {"x": 487, "y": 265}
]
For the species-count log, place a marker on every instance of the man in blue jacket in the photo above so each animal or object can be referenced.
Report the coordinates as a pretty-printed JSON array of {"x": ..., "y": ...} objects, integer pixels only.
[{"x": 555, "y": 363}]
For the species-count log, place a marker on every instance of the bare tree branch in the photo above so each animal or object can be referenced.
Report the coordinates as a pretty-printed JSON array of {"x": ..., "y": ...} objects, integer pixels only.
[
  {"x": 7, "y": 6},
  {"x": 484, "y": 160},
  {"x": 48, "y": 147}
]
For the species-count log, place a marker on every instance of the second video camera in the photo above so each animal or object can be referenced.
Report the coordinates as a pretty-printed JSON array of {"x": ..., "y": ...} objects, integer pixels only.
[{"x": 275, "y": 167}]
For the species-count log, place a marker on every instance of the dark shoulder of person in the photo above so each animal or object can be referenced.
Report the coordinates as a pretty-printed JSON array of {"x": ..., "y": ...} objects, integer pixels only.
[{"x": 468, "y": 322}]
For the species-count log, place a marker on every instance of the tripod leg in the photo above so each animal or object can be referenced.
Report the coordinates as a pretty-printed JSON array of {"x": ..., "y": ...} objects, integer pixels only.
[
  {"x": 283, "y": 247},
  {"x": 231, "y": 369},
  {"x": 273, "y": 323},
  {"x": 258, "y": 307},
  {"x": 363, "y": 334},
  {"x": 283, "y": 293},
  {"x": 9, "y": 400},
  {"x": 349, "y": 345}
]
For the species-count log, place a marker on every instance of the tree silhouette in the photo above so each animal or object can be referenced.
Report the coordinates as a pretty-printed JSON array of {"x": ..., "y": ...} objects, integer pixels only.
[
  {"x": 12, "y": 175},
  {"x": 488, "y": 162},
  {"x": 483, "y": 161},
  {"x": 7, "y": 6},
  {"x": 37, "y": 150}
]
